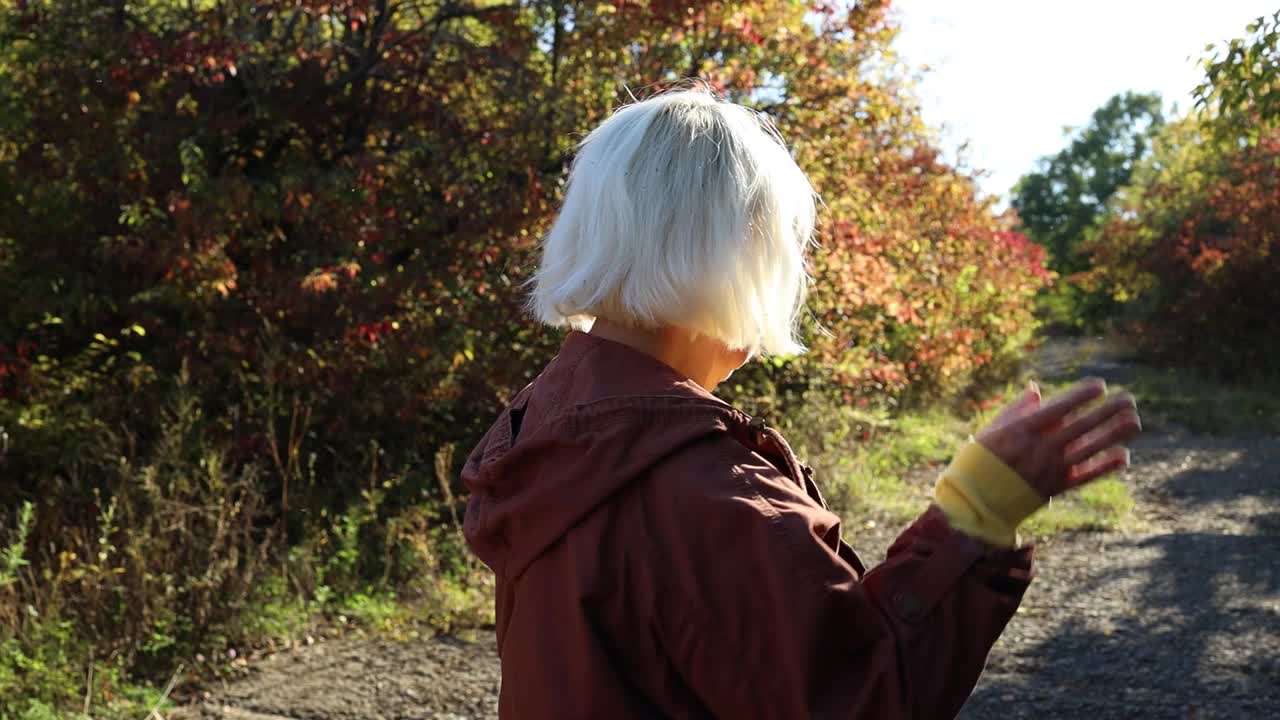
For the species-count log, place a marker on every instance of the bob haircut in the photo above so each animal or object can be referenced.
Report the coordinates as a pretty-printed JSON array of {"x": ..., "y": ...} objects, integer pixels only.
[{"x": 683, "y": 210}]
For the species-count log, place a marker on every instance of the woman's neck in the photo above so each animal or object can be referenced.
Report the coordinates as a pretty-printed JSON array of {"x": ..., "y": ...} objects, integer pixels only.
[{"x": 701, "y": 359}]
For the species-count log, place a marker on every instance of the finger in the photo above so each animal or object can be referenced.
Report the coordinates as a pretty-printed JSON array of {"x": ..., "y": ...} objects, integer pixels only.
[
  {"x": 1029, "y": 400},
  {"x": 1120, "y": 429},
  {"x": 1102, "y": 464},
  {"x": 1091, "y": 420},
  {"x": 1062, "y": 405}
]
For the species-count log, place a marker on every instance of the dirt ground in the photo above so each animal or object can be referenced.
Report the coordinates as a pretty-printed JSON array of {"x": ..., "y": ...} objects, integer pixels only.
[{"x": 1177, "y": 617}]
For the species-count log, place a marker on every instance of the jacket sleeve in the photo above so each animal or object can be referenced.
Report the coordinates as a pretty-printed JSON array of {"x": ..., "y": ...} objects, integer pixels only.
[{"x": 766, "y": 619}]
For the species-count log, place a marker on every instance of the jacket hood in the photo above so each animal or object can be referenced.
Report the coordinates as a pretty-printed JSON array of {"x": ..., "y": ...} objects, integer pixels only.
[{"x": 600, "y": 417}]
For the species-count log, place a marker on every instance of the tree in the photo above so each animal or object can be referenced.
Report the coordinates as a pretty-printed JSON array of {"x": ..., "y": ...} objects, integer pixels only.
[{"x": 1062, "y": 200}]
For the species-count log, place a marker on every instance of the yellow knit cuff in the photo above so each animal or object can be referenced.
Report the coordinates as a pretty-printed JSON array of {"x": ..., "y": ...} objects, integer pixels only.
[{"x": 983, "y": 497}]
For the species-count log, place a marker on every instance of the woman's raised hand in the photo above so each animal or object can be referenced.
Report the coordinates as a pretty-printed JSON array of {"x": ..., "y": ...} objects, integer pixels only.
[{"x": 1066, "y": 441}]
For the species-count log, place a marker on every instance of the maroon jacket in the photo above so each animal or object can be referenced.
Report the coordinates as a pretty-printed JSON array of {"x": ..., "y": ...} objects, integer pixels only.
[{"x": 660, "y": 554}]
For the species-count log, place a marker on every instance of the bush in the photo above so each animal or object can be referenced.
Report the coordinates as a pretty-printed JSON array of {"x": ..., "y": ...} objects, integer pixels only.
[
  {"x": 181, "y": 556},
  {"x": 1190, "y": 246},
  {"x": 1198, "y": 265}
]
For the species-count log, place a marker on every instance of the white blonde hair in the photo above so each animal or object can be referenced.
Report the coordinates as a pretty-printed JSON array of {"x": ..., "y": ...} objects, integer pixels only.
[{"x": 683, "y": 210}]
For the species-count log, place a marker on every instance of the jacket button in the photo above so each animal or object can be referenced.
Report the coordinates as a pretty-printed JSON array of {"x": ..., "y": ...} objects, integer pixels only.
[{"x": 907, "y": 606}]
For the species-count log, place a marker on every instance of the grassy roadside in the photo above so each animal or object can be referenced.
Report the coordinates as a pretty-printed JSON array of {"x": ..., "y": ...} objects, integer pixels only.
[
  {"x": 888, "y": 475},
  {"x": 1200, "y": 404},
  {"x": 41, "y": 675}
]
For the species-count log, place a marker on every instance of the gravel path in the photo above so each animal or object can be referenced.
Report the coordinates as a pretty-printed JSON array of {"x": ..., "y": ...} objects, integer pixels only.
[
  {"x": 1176, "y": 618},
  {"x": 436, "y": 679},
  {"x": 1179, "y": 618}
]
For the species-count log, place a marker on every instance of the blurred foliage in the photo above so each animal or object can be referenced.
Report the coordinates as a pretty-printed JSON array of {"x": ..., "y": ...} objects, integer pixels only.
[
  {"x": 260, "y": 280},
  {"x": 1190, "y": 245}
]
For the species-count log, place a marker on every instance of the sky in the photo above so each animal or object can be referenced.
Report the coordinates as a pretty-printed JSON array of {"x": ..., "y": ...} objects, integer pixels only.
[{"x": 1008, "y": 76}]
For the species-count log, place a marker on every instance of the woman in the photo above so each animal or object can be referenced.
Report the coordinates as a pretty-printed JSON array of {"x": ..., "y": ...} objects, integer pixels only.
[{"x": 659, "y": 553}]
